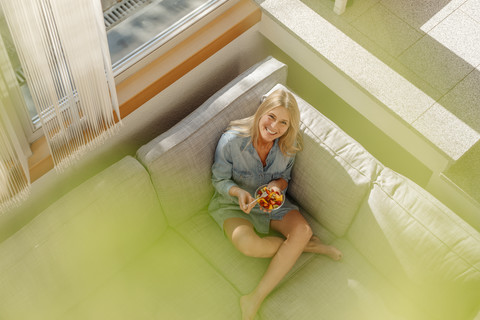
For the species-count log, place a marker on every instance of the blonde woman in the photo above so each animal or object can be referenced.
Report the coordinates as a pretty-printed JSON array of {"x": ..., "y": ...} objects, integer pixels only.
[{"x": 255, "y": 151}]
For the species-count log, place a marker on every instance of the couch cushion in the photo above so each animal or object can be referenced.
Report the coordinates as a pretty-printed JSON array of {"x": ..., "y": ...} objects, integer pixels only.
[
  {"x": 243, "y": 272},
  {"x": 420, "y": 245},
  {"x": 168, "y": 281},
  {"x": 332, "y": 173},
  {"x": 78, "y": 242},
  {"x": 349, "y": 289},
  {"x": 180, "y": 160}
]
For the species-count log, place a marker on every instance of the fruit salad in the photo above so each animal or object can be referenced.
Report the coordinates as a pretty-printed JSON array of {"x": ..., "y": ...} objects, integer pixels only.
[{"x": 273, "y": 200}]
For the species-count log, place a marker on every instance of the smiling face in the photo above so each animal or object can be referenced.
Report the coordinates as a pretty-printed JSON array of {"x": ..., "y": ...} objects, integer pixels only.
[{"x": 273, "y": 124}]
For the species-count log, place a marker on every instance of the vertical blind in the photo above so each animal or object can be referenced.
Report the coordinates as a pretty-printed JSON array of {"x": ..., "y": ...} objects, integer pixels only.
[
  {"x": 14, "y": 177},
  {"x": 62, "y": 46}
]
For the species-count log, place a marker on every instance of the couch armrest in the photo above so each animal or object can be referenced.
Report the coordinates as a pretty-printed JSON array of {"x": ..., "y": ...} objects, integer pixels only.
[
  {"x": 477, "y": 317},
  {"x": 77, "y": 243},
  {"x": 419, "y": 245}
]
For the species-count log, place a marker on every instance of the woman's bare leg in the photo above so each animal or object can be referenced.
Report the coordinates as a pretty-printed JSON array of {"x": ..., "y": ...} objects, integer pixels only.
[
  {"x": 246, "y": 240},
  {"x": 285, "y": 252},
  {"x": 298, "y": 234}
]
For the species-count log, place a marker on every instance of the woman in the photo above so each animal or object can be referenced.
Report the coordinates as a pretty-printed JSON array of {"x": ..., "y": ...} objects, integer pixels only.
[{"x": 252, "y": 152}]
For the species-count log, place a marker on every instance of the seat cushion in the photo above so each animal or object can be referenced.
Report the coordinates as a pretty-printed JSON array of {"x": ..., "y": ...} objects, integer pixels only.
[
  {"x": 329, "y": 290},
  {"x": 420, "y": 245},
  {"x": 168, "y": 281},
  {"x": 73, "y": 246},
  {"x": 243, "y": 272}
]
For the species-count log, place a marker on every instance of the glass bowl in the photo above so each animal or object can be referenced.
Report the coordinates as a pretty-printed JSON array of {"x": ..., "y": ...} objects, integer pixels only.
[{"x": 273, "y": 200}]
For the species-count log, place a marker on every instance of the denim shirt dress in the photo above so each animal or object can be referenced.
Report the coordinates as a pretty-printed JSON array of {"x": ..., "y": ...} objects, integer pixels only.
[{"x": 237, "y": 164}]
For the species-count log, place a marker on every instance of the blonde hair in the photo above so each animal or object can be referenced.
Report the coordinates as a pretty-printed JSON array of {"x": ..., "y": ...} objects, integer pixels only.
[{"x": 291, "y": 141}]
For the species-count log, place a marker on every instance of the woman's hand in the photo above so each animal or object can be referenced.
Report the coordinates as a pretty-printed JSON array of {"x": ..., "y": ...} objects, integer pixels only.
[
  {"x": 278, "y": 185},
  {"x": 245, "y": 199}
]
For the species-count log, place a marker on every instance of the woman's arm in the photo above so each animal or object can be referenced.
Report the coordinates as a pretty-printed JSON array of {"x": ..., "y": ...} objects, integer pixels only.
[
  {"x": 281, "y": 183},
  {"x": 222, "y": 167},
  {"x": 222, "y": 176}
]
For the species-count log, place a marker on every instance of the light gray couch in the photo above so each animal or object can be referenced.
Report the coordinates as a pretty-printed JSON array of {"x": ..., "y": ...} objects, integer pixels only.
[{"x": 136, "y": 241}]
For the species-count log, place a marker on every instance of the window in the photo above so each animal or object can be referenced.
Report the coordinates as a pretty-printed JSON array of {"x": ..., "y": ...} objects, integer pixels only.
[
  {"x": 28, "y": 116},
  {"x": 135, "y": 29}
]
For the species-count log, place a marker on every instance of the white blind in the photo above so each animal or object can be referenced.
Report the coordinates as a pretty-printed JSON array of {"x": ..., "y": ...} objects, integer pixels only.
[
  {"x": 62, "y": 46},
  {"x": 14, "y": 177}
]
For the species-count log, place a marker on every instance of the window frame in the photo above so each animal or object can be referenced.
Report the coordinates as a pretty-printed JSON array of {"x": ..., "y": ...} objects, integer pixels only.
[
  {"x": 171, "y": 40},
  {"x": 143, "y": 55},
  {"x": 167, "y": 64},
  {"x": 135, "y": 60}
]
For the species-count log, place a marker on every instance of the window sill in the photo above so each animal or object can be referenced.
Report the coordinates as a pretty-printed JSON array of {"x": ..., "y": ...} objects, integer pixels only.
[
  {"x": 171, "y": 66},
  {"x": 160, "y": 73}
]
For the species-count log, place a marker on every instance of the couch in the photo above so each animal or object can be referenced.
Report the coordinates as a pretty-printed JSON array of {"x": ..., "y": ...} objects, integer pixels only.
[{"x": 136, "y": 240}]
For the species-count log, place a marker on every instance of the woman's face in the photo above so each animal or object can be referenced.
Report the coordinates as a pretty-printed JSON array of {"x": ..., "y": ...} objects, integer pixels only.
[{"x": 274, "y": 124}]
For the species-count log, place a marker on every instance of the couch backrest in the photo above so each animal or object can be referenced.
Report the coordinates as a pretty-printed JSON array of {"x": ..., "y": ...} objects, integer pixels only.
[
  {"x": 180, "y": 160},
  {"x": 78, "y": 243},
  {"x": 420, "y": 246},
  {"x": 333, "y": 173}
]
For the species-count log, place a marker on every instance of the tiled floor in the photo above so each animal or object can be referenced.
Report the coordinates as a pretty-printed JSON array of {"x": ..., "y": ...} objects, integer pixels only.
[{"x": 435, "y": 44}]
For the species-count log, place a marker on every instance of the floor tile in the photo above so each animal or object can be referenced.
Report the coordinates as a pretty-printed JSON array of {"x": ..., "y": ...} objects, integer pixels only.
[
  {"x": 460, "y": 34},
  {"x": 435, "y": 63},
  {"x": 354, "y": 9},
  {"x": 387, "y": 30},
  {"x": 422, "y": 14},
  {"x": 370, "y": 45},
  {"x": 472, "y": 8},
  {"x": 465, "y": 172},
  {"x": 447, "y": 131},
  {"x": 464, "y": 100}
]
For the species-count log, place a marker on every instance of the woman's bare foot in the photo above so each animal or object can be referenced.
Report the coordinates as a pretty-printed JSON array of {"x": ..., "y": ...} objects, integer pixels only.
[
  {"x": 249, "y": 307},
  {"x": 316, "y": 246}
]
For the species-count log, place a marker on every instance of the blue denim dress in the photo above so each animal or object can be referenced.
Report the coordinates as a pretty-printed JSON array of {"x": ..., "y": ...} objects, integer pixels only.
[{"x": 237, "y": 164}]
